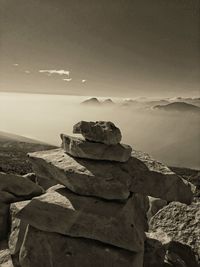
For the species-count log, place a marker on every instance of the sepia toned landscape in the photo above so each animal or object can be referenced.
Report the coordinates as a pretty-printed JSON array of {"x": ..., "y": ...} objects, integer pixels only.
[{"x": 99, "y": 133}]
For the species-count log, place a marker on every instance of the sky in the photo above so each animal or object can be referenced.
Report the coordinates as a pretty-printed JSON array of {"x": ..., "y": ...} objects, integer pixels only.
[{"x": 121, "y": 48}]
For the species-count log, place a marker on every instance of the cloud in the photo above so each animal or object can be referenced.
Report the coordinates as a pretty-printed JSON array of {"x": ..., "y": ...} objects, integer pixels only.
[
  {"x": 67, "y": 79},
  {"x": 27, "y": 71},
  {"x": 60, "y": 72},
  {"x": 83, "y": 81},
  {"x": 15, "y": 64}
]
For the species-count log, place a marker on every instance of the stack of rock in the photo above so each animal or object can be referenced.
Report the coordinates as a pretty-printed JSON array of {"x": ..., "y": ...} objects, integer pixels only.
[{"x": 95, "y": 215}]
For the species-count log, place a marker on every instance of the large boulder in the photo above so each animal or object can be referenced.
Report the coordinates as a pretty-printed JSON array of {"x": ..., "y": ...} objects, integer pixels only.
[
  {"x": 80, "y": 148},
  {"x": 180, "y": 222},
  {"x": 155, "y": 179},
  {"x": 111, "y": 180},
  {"x": 84, "y": 177},
  {"x": 61, "y": 211},
  {"x": 44, "y": 249},
  {"x": 16, "y": 188},
  {"x": 100, "y": 131}
]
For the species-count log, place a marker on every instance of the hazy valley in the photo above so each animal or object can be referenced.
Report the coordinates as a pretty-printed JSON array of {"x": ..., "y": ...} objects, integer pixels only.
[{"x": 170, "y": 136}]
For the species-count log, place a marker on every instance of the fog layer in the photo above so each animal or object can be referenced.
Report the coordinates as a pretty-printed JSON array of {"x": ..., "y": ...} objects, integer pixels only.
[{"x": 169, "y": 137}]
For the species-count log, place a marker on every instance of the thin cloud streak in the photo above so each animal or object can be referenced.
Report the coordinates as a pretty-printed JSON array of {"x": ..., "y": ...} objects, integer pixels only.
[
  {"x": 67, "y": 79},
  {"x": 59, "y": 72}
]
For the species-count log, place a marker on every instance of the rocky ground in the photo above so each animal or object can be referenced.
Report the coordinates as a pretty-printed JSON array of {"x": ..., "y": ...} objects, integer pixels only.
[
  {"x": 173, "y": 236},
  {"x": 13, "y": 153}
]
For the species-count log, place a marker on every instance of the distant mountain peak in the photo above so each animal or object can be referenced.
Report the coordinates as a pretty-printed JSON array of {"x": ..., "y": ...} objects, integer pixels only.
[
  {"x": 108, "y": 101},
  {"x": 178, "y": 106},
  {"x": 91, "y": 101}
]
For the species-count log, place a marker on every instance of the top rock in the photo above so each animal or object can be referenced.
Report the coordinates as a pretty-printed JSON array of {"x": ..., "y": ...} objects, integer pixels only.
[{"x": 100, "y": 131}]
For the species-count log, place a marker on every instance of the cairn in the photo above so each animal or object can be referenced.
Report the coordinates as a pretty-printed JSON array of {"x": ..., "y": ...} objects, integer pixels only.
[{"x": 95, "y": 213}]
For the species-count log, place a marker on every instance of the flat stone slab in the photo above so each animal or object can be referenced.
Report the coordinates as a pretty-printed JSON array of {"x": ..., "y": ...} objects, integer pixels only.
[
  {"x": 111, "y": 180},
  {"x": 85, "y": 177},
  {"x": 100, "y": 131},
  {"x": 16, "y": 188},
  {"x": 44, "y": 249},
  {"x": 61, "y": 211},
  {"x": 80, "y": 148}
]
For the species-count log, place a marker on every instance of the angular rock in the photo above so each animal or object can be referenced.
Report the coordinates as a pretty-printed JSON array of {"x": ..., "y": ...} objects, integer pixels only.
[
  {"x": 176, "y": 254},
  {"x": 180, "y": 222},
  {"x": 84, "y": 177},
  {"x": 157, "y": 180},
  {"x": 100, "y": 131},
  {"x": 154, "y": 253},
  {"x": 155, "y": 204},
  {"x": 5, "y": 257},
  {"x": 4, "y": 220},
  {"x": 43, "y": 249},
  {"x": 45, "y": 182},
  {"x": 111, "y": 180},
  {"x": 18, "y": 227},
  {"x": 80, "y": 148},
  {"x": 61, "y": 211},
  {"x": 179, "y": 254},
  {"x": 16, "y": 188}
]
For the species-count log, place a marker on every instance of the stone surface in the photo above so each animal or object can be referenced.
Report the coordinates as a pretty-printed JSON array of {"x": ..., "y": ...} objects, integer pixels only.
[
  {"x": 15, "y": 188},
  {"x": 180, "y": 222},
  {"x": 176, "y": 254},
  {"x": 80, "y": 148},
  {"x": 180, "y": 255},
  {"x": 154, "y": 253},
  {"x": 100, "y": 131},
  {"x": 85, "y": 177},
  {"x": 31, "y": 176},
  {"x": 43, "y": 249},
  {"x": 18, "y": 227},
  {"x": 5, "y": 256},
  {"x": 155, "y": 204},
  {"x": 157, "y": 180},
  {"x": 4, "y": 220},
  {"x": 61, "y": 211},
  {"x": 111, "y": 180}
]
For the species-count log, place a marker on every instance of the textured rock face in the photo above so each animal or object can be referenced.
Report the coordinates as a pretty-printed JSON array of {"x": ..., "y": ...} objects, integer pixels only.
[
  {"x": 155, "y": 204},
  {"x": 4, "y": 220},
  {"x": 18, "y": 227},
  {"x": 43, "y": 249},
  {"x": 101, "y": 131},
  {"x": 5, "y": 257},
  {"x": 80, "y": 148},
  {"x": 118, "y": 224},
  {"x": 176, "y": 254},
  {"x": 15, "y": 188},
  {"x": 111, "y": 180},
  {"x": 157, "y": 180},
  {"x": 85, "y": 177},
  {"x": 180, "y": 222}
]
